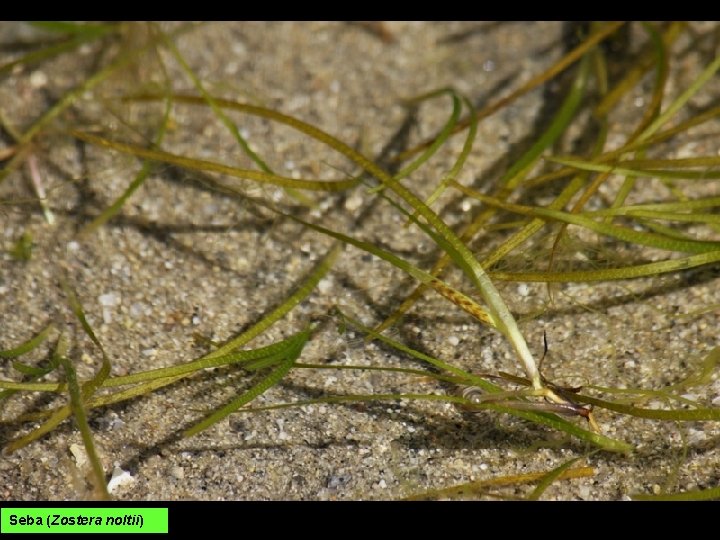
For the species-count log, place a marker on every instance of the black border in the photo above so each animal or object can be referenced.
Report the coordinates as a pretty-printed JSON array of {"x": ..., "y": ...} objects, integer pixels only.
[{"x": 374, "y": 519}]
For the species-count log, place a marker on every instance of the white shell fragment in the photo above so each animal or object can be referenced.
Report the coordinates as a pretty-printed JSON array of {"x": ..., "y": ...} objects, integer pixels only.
[{"x": 119, "y": 478}]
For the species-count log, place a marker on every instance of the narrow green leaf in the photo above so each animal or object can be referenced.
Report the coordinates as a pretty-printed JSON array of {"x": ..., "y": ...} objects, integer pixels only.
[
  {"x": 271, "y": 353},
  {"x": 465, "y": 152},
  {"x": 145, "y": 170},
  {"x": 45, "y": 53},
  {"x": 550, "y": 477},
  {"x": 710, "y": 494},
  {"x": 547, "y": 419},
  {"x": 124, "y": 59},
  {"x": 668, "y": 174},
  {"x": 685, "y": 415},
  {"x": 273, "y": 378},
  {"x": 692, "y": 204},
  {"x": 93, "y": 384},
  {"x": 321, "y": 269},
  {"x": 28, "y": 345},
  {"x": 479, "y": 486},
  {"x": 636, "y": 72},
  {"x": 703, "y": 375},
  {"x": 615, "y": 231},
  {"x": 78, "y": 408},
  {"x": 457, "y": 297},
  {"x": 468, "y": 378},
  {"x": 26, "y": 369},
  {"x": 55, "y": 418},
  {"x": 458, "y": 251},
  {"x": 558, "y": 126},
  {"x": 609, "y": 274},
  {"x": 515, "y": 174},
  {"x": 227, "y": 122},
  {"x": 602, "y": 33},
  {"x": 93, "y": 30},
  {"x": 88, "y": 388},
  {"x": 34, "y": 372},
  {"x": 22, "y": 249},
  {"x": 213, "y": 166},
  {"x": 442, "y": 136},
  {"x": 223, "y": 354},
  {"x": 682, "y": 99}
]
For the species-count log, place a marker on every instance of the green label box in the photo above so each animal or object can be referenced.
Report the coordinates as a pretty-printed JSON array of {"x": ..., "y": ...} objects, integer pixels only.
[{"x": 83, "y": 520}]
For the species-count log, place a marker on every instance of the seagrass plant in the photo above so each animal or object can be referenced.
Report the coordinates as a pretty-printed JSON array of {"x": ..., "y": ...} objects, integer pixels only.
[{"x": 595, "y": 187}]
